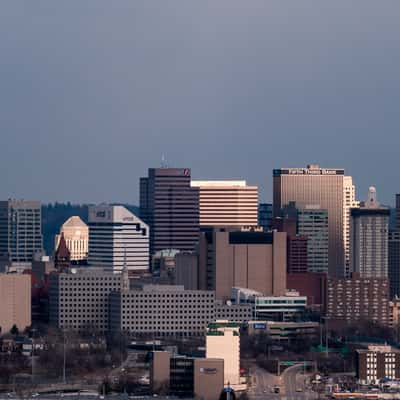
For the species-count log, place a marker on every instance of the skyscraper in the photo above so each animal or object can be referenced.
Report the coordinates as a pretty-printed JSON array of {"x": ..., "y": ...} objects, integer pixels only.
[
  {"x": 398, "y": 212},
  {"x": 227, "y": 203},
  {"x": 369, "y": 234},
  {"x": 312, "y": 222},
  {"x": 76, "y": 235},
  {"x": 394, "y": 263},
  {"x": 170, "y": 206},
  {"x": 117, "y": 238},
  {"x": 265, "y": 216},
  {"x": 20, "y": 230},
  {"x": 322, "y": 186}
]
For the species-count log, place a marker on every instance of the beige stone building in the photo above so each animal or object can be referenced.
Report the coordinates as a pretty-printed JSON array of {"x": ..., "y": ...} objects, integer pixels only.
[
  {"x": 15, "y": 301},
  {"x": 227, "y": 203},
  {"x": 76, "y": 235},
  {"x": 247, "y": 259}
]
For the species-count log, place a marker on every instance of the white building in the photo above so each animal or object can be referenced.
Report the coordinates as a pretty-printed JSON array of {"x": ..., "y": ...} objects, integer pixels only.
[
  {"x": 227, "y": 203},
  {"x": 369, "y": 238},
  {"x": 117, "y": 237},
  {"x": 223, "y": 341},
  {"x": 76, "y": 235}
]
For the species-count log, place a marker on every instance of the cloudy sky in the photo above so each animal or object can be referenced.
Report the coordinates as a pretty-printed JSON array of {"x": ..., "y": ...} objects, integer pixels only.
[{"x": 92, "y": 93}]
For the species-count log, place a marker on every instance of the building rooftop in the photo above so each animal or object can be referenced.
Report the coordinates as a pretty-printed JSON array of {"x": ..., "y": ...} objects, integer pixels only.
[{"x": 218, "y": 183}]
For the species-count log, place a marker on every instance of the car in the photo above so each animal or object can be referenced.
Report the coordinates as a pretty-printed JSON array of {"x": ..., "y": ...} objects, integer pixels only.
[
  {"x": 277, "y": 389},
  {"x": 265, "y": 391},
  {"x": 299, "y": 389}
]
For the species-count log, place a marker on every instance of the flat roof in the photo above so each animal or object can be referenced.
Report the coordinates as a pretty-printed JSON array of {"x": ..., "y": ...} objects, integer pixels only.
[{"x": 218, "y": 183}]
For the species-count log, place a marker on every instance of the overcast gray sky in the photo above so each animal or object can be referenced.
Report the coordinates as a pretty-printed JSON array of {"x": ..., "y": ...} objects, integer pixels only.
[{"x": 92, "y": 93}]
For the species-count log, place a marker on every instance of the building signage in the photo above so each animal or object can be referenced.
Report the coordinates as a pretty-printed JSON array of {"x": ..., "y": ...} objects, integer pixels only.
[
  {"x": 260, "y": 326},
  {"x": 209, "y": 371},
  {"x": 100, "y": 214},
  {"x": 308, "y": 171}
]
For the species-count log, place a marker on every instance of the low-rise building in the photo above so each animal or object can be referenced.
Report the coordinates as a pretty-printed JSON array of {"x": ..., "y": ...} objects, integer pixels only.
[
  {"x": 378, "y": 362},
  {"x": 239, "y": 313},
  {"x": 80, "y": 300},
  {"x": 163, "y": 310}
]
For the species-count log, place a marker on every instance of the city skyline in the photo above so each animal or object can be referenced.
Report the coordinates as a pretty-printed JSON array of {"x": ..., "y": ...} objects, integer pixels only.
[{"x": 257, "y": 85}]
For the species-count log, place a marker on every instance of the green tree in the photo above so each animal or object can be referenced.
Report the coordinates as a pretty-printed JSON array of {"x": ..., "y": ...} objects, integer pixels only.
[{"x": 14, "y": 330}]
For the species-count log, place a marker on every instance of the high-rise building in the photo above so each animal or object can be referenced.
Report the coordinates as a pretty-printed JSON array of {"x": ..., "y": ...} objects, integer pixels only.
[
  {"x": 227, "y": 203},
  {"x": 117, "y": 238},
  {"x": 76, "y": 235},
  {"x": 297, "y": 254},
  {"x": 398, "y": 212},
  {"x": 20, "y": 230},
  {"x": 170, "y": 206},
  {"x": 265, "y": 216},
  {"x": 247, "y": 259},
  {"x": 322, "y": 186},
  {"x": 394, "y": 263},
  {"x": 312, "y": 222},
  {"x": 369, "y": 234},
  {"x": 15, "y": 301}
]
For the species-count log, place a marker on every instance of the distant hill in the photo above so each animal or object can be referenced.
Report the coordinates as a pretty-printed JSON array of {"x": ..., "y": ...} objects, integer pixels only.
[{"x": 54, "y": 215}]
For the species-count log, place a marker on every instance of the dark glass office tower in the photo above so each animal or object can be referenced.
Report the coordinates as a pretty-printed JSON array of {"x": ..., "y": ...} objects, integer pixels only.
[{"x": 170, "y": 206}]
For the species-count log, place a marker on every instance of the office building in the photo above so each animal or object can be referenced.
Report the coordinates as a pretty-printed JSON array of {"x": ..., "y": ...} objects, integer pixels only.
[
  {"x": 187, "y": 270},
  {"x": 398, "y": 212},
  {"x": 170, "y": 206},
  {"x": 297, "y": 254},
  {"x": 249, "y": 259},
  {"x": 227, "y": 203},
  {"x": 349, "y": 300},
  {"x": 369, "y": 234},
  {"x": 394, "y": 263},
  {"x": 271, "y": 308},
  {"x": 238, "y": 313},
  {"x": 200, "y": 378},
  {"x": 323, "y": 186},
  {"x": 163, "y": 310},
  {"x": 223, "y": 342},
  {"x": 310, "y": 285},
  {"x": 76, "y": 235},
  {"x": 265, "y": 216},
  {"x": 79, "y": 300},
  {"x": 312, "y": 223},
  {"x": 20, "y": 230},
  {"x": 117, "y": 238},
  {"x": 377, "y": 362},
  {"x": 15, "y": 302}
]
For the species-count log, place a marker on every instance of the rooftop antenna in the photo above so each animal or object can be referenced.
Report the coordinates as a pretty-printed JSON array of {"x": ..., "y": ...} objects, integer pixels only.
[{"x": 163, "y": 162}]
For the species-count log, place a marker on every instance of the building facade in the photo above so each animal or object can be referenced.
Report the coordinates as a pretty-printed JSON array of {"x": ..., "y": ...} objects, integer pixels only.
[
  {"x": 369, "y": 234},
  {"x": 238, "y": 313},
  {"x": 394, "y": 263},
  {"x": 265, "y": 216},
  {"x": 223, "y": 342},
  {"x": 76, "y": 235},
  {"x": 376, "y": 363},
  {"x": 80, "y": 300},
  {"x": 312, "y": 223},
  {"x": 20, "y": 230},
  {"x": 297, "y": 254},
  {"x": 227, "y": 203},
  {"x": 356, "y": 298},
  {"x": 170, "y": 206},
  {"x": 249, "y": 259},
  {"x": 15, "y": 302},
  {"x": 398, "y": 212},
  {"x": 325, "y": 187},
  {"x": 117, "y": 238},
  {"x": 163, "y": 310}
]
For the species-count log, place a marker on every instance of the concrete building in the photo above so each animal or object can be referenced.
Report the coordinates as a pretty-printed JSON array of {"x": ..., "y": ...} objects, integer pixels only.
[
  {"x": 15, "y": 302},
  {"x": 117, "y": 237},
  {"x": 187, "y": 270},
  {"x": 20, "y": 230},
  {"x": 227, "y": 203},
  {"x": 310, "y": 285},
  {"x": 356, "y": 298},
  {"x": 323, "y": 186},
  {"x": 376, "y": 363},
  {"x": 249, "y": 259},
  {"x": 76, "y": 235},
  {"x": 297, "y": 254},
  {"x": 163, "y": 310},
  {"x": 223, "y": 342},
  {"x": 238, "y": 313},
  {"x": 199, "y": 378},
  {"x": 265, "y": 216},
  {"x": 170, "y": 206},
  {"x": 369, "y": 234},
  {"x": 271, "y": 308},
  {"x": 79, "y": 300},
  {"x": 394, "y": 263},
  {"x": 398, "y": 212},
  {"x": 312, "y": 223}
]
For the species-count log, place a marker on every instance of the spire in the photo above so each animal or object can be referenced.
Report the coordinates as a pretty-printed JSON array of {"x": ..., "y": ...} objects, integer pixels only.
[{"x": 63, "y": 255}]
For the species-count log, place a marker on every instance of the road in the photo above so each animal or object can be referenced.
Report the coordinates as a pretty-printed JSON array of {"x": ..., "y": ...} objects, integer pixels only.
[{"x": 291, "y": 380}]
